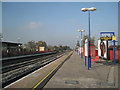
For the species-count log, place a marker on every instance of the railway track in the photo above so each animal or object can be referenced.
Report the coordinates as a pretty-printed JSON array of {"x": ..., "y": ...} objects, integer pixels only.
[
  {"x": 14, "y": 71},
  {"x": 21, "y": 64},
  {"x": 15, "y": 60}
]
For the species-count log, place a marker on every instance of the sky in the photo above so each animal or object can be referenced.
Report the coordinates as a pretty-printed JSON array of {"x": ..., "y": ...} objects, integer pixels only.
[
  {"x": 60, "y": 0},
  {"x": 56, "y": 23}
]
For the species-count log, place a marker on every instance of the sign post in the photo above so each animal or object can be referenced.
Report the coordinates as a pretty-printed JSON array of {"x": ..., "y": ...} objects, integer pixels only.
[{"x": 114, "y": 38}]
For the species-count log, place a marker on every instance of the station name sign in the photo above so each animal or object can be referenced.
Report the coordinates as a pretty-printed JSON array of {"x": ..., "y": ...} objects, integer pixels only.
[{"x": 106, "y": 38}]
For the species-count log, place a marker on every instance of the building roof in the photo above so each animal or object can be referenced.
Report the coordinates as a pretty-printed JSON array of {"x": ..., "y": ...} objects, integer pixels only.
[{"x": 11, "y": 43}]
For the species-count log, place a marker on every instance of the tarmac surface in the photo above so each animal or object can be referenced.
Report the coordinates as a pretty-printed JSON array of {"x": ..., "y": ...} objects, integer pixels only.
[{"x": 74, "y": 74}]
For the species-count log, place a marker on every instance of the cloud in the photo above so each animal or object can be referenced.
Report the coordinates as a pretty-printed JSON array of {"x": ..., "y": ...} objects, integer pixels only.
[{"x": 32, "y": 26}]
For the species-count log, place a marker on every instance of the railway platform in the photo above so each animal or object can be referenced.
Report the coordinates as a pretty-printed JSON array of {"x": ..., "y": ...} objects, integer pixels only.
[
  {"x": 69, "y": 71},
  {"x": 74, "y": 74},
  {"x": 31, "y": 80}
]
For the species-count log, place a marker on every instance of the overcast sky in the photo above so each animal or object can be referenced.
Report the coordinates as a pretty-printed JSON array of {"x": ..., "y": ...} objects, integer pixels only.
[{"x": 56, "y": 22}]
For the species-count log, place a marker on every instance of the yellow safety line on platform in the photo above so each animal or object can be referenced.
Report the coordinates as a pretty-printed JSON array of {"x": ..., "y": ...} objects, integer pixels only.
[{"x": 47, "y": 75}]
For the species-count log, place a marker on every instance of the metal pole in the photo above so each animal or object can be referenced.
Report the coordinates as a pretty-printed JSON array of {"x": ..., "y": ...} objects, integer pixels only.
[
  {"x": 89, "y": 57},
  {"x": 107, "y": 49},
  {"x": 89, "y": 41},
  {"x": 88, "y": 53},
  {"x": 88, "y": 38},
  {"x": 81, "y": 46},
  {"x": 85, "y": 60},
  {"x": 114, "y": 50}
]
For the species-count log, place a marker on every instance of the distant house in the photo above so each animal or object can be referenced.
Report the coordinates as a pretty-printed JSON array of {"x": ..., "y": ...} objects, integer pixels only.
[{"x": 41, "y": 48}]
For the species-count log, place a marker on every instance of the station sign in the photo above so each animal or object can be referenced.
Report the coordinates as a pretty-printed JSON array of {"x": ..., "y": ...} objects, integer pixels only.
[{"x": 106, "y": 38}]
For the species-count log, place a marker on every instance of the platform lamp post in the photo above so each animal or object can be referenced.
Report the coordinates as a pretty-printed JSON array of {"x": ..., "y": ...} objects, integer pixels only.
[
  {"x": 81, "y": 42},
  {"x": 84, "y": 10}
]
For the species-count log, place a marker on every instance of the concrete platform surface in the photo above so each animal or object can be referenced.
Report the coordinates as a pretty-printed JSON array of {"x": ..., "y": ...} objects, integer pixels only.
[
  {"x": 74, "y": 74},
  {"x": 32, "y": 79}
]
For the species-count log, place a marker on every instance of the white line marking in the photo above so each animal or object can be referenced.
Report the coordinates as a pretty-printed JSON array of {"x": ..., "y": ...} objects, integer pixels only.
[{"x": 31, "y": 73}]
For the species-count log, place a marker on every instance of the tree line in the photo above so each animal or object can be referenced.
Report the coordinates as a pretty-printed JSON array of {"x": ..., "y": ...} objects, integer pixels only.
[{"x": 34, "y": 46}]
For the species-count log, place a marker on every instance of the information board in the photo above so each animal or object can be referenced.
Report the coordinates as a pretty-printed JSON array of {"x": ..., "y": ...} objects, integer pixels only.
[
  {"x": 102, "y": 48},
  {"x": 86, "y": 47}
]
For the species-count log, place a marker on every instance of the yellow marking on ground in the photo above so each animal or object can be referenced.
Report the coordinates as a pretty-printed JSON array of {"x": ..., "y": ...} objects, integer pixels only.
[{"x": 48, "y": 74}]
